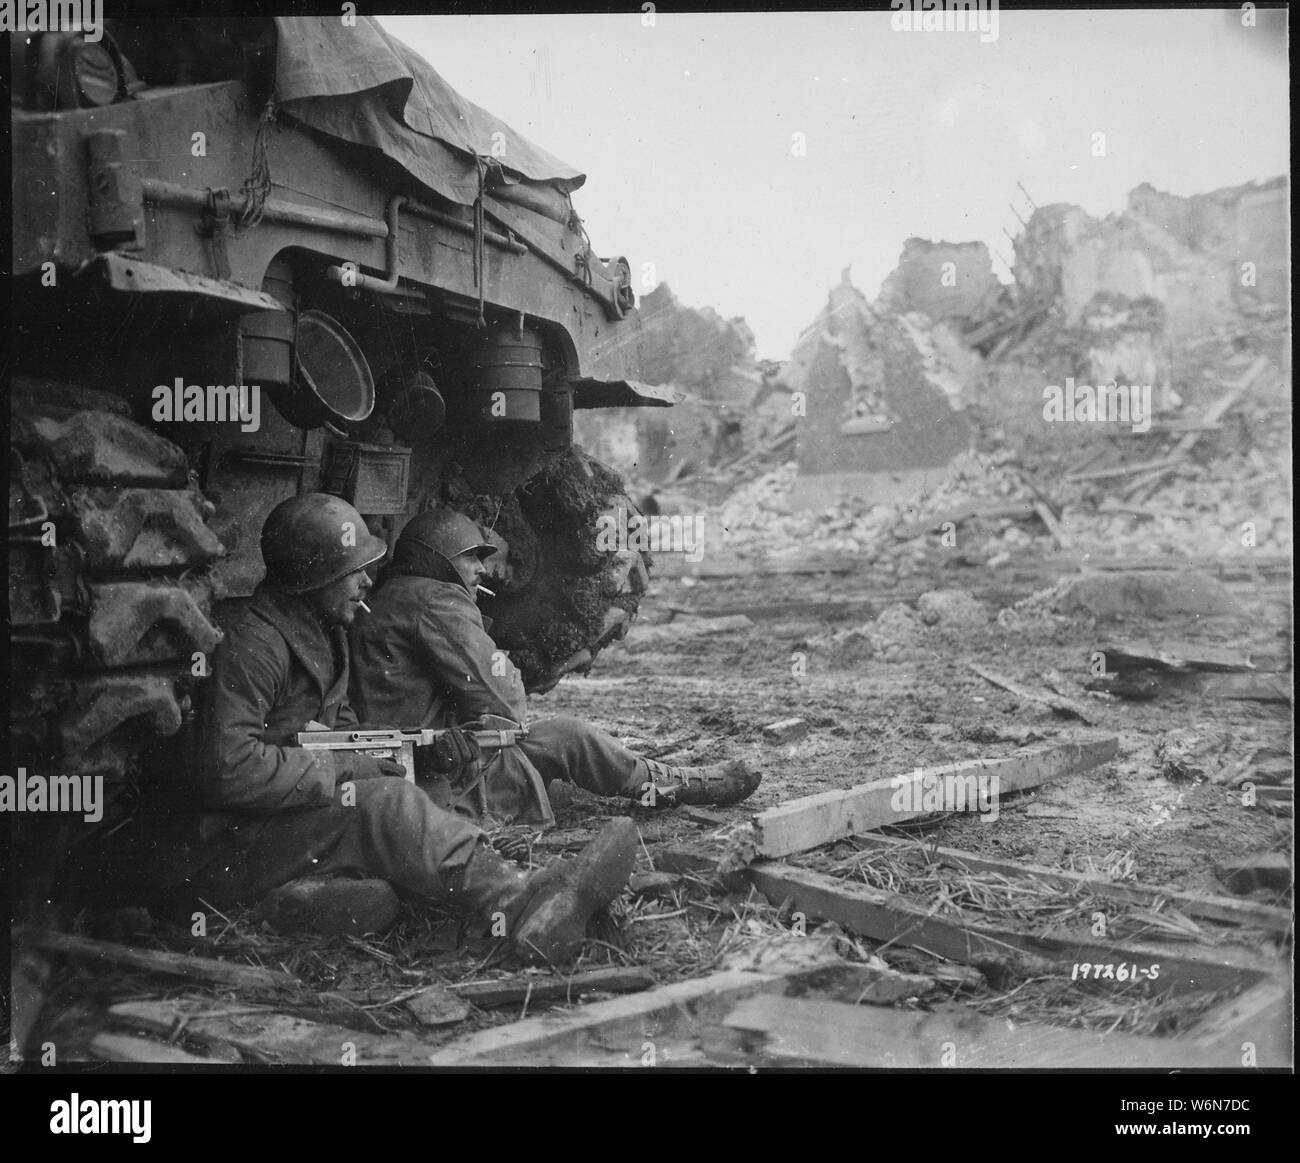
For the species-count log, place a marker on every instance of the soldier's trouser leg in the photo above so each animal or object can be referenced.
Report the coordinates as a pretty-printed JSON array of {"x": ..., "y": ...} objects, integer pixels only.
[
  {"x": 567, "y": 748},
  {"x": 393, "y": 831}
]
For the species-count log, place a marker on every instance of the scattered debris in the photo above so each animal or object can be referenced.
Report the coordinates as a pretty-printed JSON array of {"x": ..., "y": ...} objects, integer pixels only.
[
  {"x": 1068, "y": 707},
  {"x": 885, "y": 916},
  {"x": 785, "y": 731},
  {"x": 653, "y": 884},
  {"x": 112, "y": 1047},
  {"x": 260, "y": 1034},
  {"x": 1123, "y": 655},
  {"x": 537, "y": 988},
  {"x": 1149, "y": 593},
  {"x": 1212, "y": 908},
  {"x": 436, "y": 1005},
  {"x": 1270, "y": 870},
  {"x": 612, "y": 1032},
  {"x": 203, "y": 969},
  {"x": 703, "y": 816},
  {"x": 951, "y": 609}
]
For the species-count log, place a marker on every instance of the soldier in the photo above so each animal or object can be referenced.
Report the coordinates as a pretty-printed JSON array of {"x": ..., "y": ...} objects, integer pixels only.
[
  {"x": 423, "y": 658},
  {"x": 281, "y": 812}
]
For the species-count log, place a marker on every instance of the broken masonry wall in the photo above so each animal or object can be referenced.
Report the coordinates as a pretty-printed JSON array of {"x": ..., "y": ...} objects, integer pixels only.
[
  {"x": 696, "y": 349},
  {"x": 943, "y": 280},
  {"x": 1186, "y": 252},
  {"x": 711, "y": 360},
  {"x": 1236, "y": 224},
  {"x": 1051, "y": 233},
  {"x": 1262, "y": 222},
  {"x": 871, "y": 407}
]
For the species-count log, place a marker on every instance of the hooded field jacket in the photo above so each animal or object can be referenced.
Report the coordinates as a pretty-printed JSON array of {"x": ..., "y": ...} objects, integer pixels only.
[{"x": 423, "y": 658}]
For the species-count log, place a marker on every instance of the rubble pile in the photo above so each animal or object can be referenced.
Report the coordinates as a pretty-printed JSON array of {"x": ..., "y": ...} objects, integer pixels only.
[
  {"x": 1186, "y": 298},
  {"x": 1204, "y": 471},
  {"x": 759, "y": 518}
]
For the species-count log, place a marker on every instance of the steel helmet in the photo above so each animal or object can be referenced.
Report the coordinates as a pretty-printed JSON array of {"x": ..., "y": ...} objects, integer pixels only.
[
  {"x": 312, "y": 540},
  {"x": 447, "y": 532}
]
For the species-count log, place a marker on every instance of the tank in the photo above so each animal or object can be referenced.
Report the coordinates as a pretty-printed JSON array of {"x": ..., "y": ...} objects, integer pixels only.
[{"x": 255, "y": 258}]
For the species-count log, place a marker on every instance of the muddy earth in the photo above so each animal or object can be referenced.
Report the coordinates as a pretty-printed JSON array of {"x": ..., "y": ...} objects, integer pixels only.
[{"x": 877, "y": 667}]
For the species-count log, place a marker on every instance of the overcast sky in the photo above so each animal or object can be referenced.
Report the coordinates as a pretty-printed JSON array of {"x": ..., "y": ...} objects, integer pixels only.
[{"x": 685, "y": 131}]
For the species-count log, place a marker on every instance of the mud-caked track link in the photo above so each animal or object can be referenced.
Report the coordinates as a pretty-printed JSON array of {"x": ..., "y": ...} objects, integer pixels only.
[
  {"x": 110, "y": 595},
  {"x": 584, "y": 585}
]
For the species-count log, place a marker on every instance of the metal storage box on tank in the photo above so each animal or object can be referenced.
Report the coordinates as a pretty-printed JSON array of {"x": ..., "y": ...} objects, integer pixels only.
[{"x": 374, "y": 478}]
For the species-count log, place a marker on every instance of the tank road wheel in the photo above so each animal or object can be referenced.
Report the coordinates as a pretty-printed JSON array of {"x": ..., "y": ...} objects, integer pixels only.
[
  {"x": 573, "y": 589},
  {"x": 109, "y": 595}
]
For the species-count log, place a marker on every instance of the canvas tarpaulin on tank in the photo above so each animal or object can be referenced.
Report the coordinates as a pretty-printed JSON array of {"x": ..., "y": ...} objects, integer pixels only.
[{"x": 359, "y": 84}]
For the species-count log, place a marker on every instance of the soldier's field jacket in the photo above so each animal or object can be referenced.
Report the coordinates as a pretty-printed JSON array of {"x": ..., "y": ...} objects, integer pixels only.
[
  {"x": 423, "y": 658},
  {"x": 276, "y": 670}
]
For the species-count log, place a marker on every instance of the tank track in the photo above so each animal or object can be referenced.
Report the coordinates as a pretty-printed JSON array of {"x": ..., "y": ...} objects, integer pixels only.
[{"x": 109, "y": 587}]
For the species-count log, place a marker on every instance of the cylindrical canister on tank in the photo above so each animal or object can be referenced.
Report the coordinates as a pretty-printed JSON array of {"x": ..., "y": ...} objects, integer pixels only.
[
  {"x": 508, "y": 370},
  {"x": 267, "y": 336}
]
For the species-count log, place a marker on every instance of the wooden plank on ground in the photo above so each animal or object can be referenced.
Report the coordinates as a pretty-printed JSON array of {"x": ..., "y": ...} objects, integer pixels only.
[
  {"x": 1048, "y": 518},
  {"x": 888, "y": 917},
  {"x": 820, "y": 819},
  {"x": 811, "y": 1032},
  {"x": 1139, "y": 654},
  {"x": 1034, "y": 694},
  {"x": 515, "y": 990},
  {"x": 1152, "y": 684},
  {"x": 1263, "y": 688},
  {"x": 699, "y": 815},
  {"x": 1216, "y": 908},
  {"x": 206, "y": 969},
  {"x": 1266, "y": 870},
  {"x": 260, "y": 1033},
  {"x": 1124, "y": 470},
  {"x": 611, "y": 1032},
  {"x": 126, "y": 1048}
]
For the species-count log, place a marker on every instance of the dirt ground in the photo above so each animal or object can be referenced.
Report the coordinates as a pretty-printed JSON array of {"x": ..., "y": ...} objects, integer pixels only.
[
  {"x": 874, "y": 714},
  {"x": 882, "y": 693}
]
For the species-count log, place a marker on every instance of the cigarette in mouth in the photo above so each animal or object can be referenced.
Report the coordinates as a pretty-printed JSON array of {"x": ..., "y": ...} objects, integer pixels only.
[
  {"x": 364, "y": 606},
  {"x": 485, "y": 590}
]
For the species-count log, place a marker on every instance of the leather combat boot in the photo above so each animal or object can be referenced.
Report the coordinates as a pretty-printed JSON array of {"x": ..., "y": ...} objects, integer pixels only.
[
  {"x": 546, "y": 911},
  {"x": 719, "y": 783}
]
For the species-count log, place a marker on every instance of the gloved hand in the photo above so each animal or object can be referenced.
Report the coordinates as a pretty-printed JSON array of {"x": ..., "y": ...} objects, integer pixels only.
[
  {"x": 453, "y": 751},
  {"x": 355, "y": 765}
]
